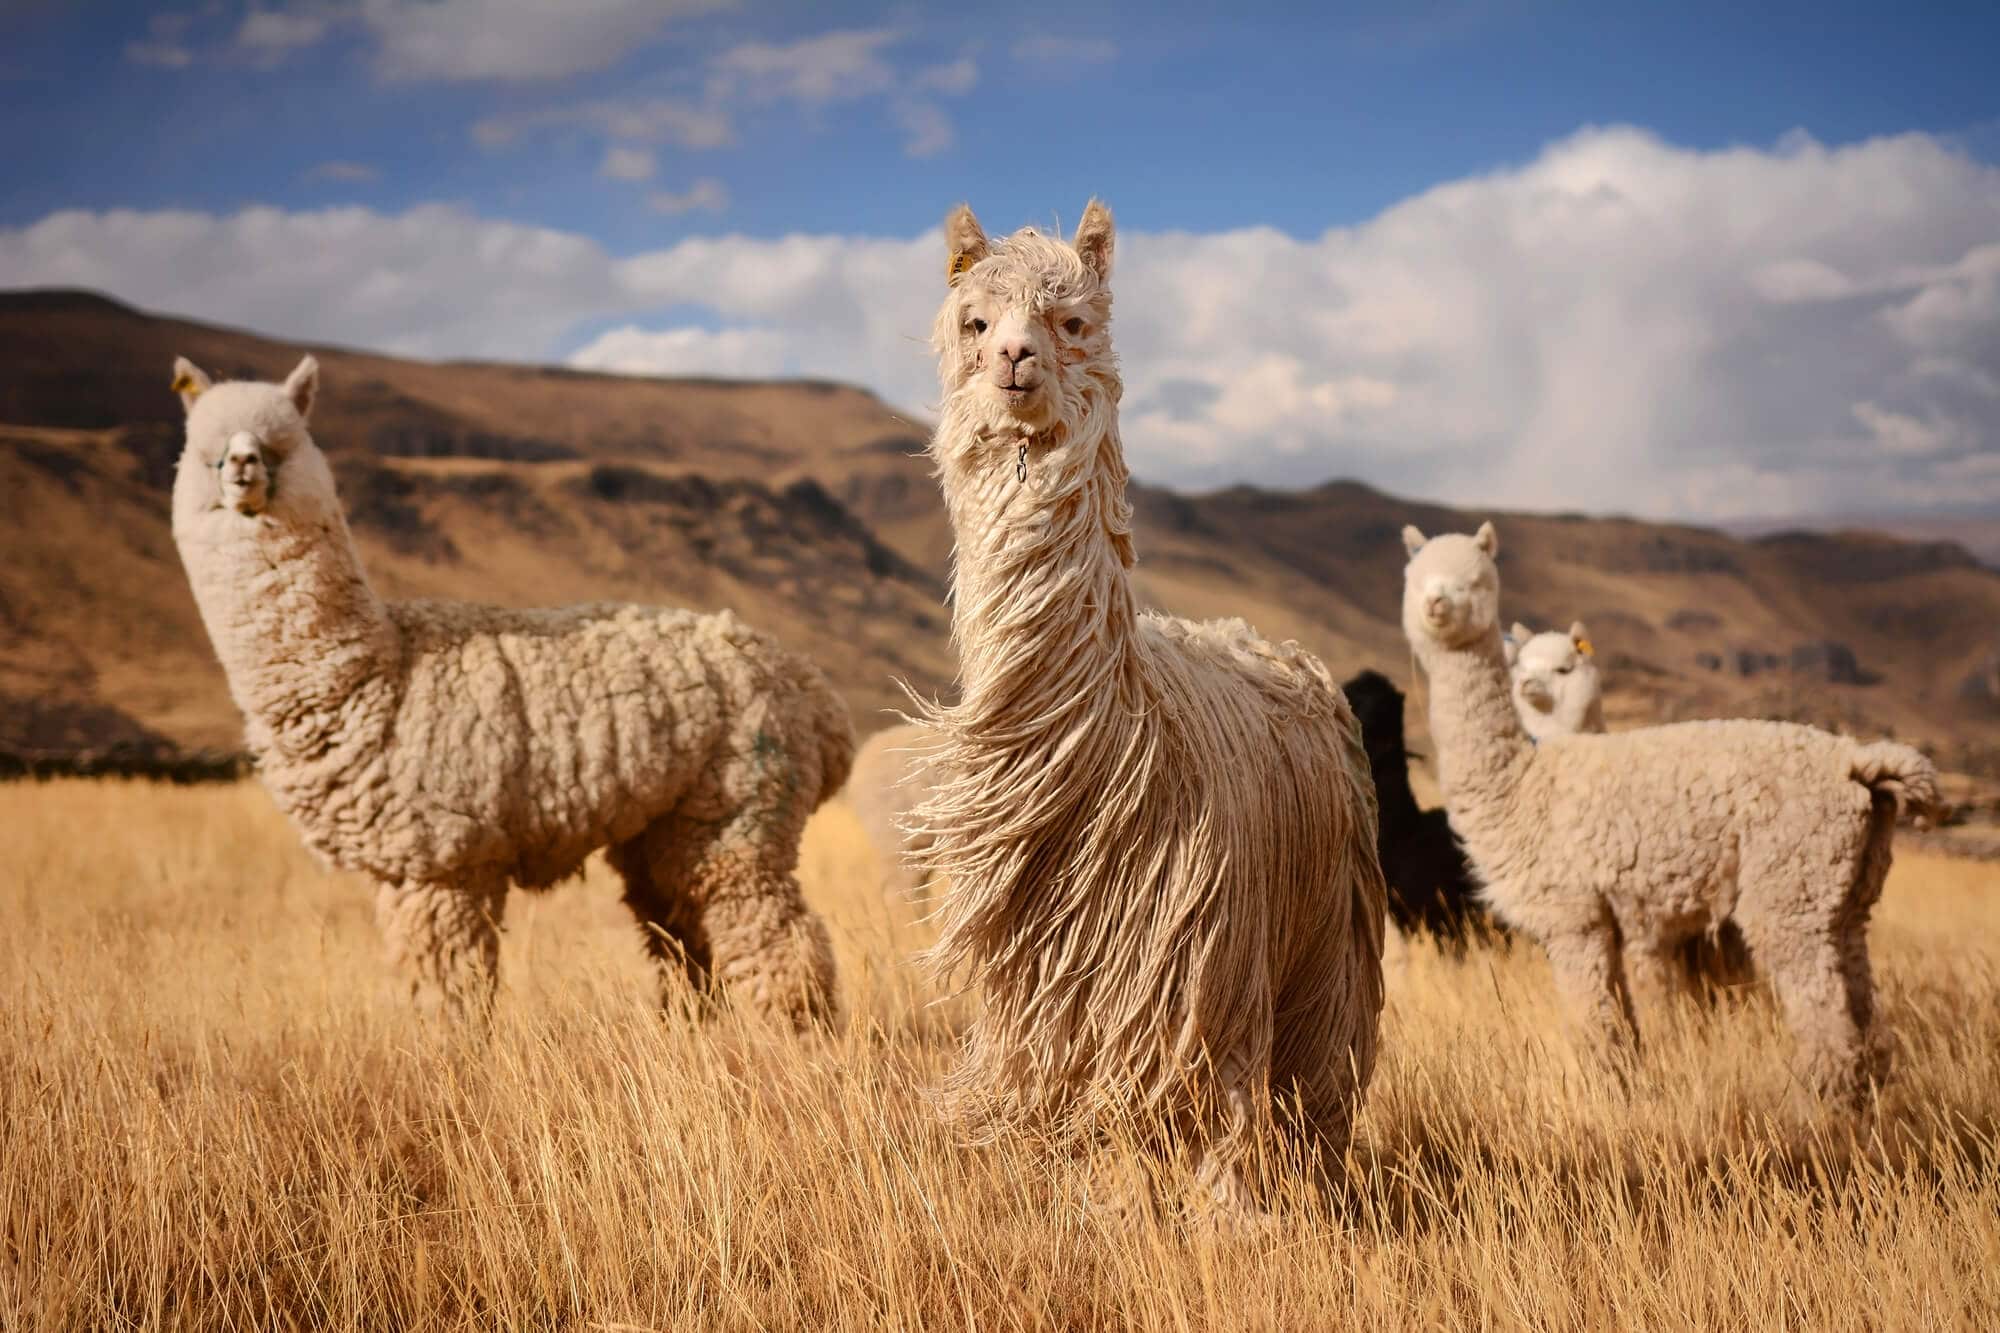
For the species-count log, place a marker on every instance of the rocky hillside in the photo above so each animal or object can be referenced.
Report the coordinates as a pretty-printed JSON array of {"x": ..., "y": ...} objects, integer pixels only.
[{"x": 806, "y": 507}]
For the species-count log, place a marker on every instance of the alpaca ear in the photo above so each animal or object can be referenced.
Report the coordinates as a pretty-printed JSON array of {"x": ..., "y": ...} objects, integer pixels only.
[
  {"x": 1413, "y": 541},
  {"x": 1093, "y": 239},
  {"x": 190, "y": 382},
  {"x": 965, "y": 241},
  {"x": 302, "y": 385},
  {"x": 1580, "y": 636},
  {"x": 1488, "y": 538},
  {"x": 1520, "y": 633}
]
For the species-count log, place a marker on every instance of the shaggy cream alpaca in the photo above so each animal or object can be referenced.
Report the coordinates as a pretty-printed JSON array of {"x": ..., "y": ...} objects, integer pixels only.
[
  {"x": 1557, "y": 689},
  {"x": 444, "y": 749},
  {"x": 1158, "y": 835},
  {"x": 1652, "y": 836}
]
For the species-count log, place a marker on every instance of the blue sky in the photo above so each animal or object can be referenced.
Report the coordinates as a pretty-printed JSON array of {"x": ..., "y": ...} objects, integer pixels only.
[{"x": 697, "y": 186}]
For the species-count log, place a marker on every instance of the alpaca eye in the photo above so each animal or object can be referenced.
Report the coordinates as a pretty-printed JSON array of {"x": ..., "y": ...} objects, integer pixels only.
[
  {"x": 1074, "y": 325},
  {"x": 1565, "y": 668},
  {"x": 979, "y": 326}
]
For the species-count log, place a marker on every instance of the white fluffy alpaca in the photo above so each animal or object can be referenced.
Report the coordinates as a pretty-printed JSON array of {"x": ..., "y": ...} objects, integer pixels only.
[
  {"x": 1557, "y": 689},
  {"x": 1650, "y": 836},
  {"x": 444, "y": 748},
  {"x": 1158, "y": 835}
]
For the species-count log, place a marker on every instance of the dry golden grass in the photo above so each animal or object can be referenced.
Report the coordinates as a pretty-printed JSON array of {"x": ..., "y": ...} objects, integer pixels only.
[{"x": 216, "y": 1111}]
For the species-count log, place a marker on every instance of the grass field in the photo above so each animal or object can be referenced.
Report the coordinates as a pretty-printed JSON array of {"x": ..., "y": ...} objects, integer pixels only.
[{"x": 216, "y": 1110}]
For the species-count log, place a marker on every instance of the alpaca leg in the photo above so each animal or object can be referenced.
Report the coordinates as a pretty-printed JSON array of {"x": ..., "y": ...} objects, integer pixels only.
[
  {"x": 1658, "y": 974},
  {"x": 736, "y": 901},
  {"x": 446, "y": 938},
  {"x": 1590, "y": 977},
  {"x": 1810, "y": 977},
  {"x": 668, "y": 927},
  {"x": 1877, "y": 1044}
]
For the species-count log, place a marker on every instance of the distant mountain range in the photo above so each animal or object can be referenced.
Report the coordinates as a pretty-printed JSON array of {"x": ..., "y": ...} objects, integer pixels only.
[{"x": 808, "y": 507}]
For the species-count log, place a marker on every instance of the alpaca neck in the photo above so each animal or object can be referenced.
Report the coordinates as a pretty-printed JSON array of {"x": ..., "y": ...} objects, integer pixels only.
[
  {"x": 1042, "y": 608},
  {"x": 297, "y": 628},
  {"x": 1481, "y": 746}
]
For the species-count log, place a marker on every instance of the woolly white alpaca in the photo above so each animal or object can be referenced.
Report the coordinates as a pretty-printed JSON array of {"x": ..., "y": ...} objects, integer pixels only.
[
  {"x": 1650, "y": 836},
  {"x": 444, "y": 749},
  {"x": 1158, "y": 835},
  {"x": 1557, "y": 690},
  {"x": 887, "y": 784}
]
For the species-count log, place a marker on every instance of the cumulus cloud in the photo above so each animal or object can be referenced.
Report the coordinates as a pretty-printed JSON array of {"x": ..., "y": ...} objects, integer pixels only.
[
  {"x": 1616, "y": 324},
  {"x": 447, "y": 40},
  {"x": 651, "y": 120},
  {"x": 832, "y": 67},
  {"x": 741, "y": 353},
  {"x": 813, "y": 75},
  {"x": 462, "y": 40}
]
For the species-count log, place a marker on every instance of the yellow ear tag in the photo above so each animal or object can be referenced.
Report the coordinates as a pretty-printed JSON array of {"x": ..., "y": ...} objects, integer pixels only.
[
  {"x": 1583, "y": 646},
  {"x": 961, "y": 262},
  {"x": 185, "y": 383}
]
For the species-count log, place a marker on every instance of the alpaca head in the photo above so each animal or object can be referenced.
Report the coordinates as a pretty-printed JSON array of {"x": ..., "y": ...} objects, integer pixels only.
[
  {"x": 1555, "y": 679},
  {"x": 1451, "y": 588},
  {"x": 1024, "y": 336},
  {"x": 248, "y": 459}
]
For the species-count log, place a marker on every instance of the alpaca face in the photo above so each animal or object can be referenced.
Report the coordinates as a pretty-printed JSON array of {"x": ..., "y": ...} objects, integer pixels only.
[
  {"x": 1023, "y": 339},
  {"x": 1451, "y": 588},
  {"x": 1555, "y": 681},
  {"x": 248, "y": 457}
]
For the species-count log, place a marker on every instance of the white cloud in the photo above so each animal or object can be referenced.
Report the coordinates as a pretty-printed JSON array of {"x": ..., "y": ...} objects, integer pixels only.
[
  {"x": 738, "y": 353},
  {"x": 345, "y": 173},
  {"x": 832, "y": 67},
  {"x": 706, "y": 195},
  {"x": 658, "y": 120},
  {"x": 513, "y": 39},
  {"x": 624, "y": 163},
  {"x": 1617, "y": 324},
  {"x": 927, "y": 130},
  {"x": 812, "y": 74}
]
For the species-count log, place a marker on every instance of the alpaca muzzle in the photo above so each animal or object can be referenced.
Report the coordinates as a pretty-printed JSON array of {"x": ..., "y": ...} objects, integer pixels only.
[{"x": 243, "y": 477}]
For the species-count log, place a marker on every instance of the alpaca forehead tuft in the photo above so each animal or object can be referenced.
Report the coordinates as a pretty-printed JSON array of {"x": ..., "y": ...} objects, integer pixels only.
[
  {"x": 1034, "y": 269},
  {"x": 264, "y": 410},
  {"x": 1450, "y": 555},
  {"x": 1551, "y": 648}
]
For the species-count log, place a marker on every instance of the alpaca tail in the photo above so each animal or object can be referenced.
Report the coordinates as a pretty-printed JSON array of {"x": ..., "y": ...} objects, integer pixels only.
[{"x": 1898, "y": 772}]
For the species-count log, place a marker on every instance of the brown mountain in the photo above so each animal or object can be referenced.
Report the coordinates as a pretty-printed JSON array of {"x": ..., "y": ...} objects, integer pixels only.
[{"x": 804, "y": 506}]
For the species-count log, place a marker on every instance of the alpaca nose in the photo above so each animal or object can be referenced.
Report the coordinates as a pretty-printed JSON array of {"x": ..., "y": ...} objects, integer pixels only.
[
  {"x": 1435, "y": 604},
  {"x": 1017, "y": 351}
]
